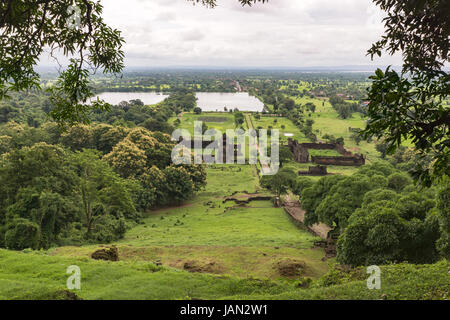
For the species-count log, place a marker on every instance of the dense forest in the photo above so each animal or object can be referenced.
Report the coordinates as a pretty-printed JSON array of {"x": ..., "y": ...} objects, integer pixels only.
[{"x": 87, "y": 183}]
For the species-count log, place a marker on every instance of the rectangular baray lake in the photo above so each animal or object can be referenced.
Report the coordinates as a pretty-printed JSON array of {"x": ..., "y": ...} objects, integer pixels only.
[
  {"x": 207, "y": 101},
  {"x": 215, "y": 101},
  {"x": 147, "y": 98}
]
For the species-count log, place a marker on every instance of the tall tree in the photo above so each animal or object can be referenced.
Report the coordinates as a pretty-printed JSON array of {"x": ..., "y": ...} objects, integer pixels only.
[
  {"x": 101, "y": 191},
  {"x": 74, "y": 28},
  {"x": 410, "y": 104}
]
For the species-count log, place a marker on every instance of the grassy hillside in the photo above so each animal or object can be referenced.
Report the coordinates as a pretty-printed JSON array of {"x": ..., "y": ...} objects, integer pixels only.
[
  {"x": 230, "y": 254},
  {"x": 40, "y": 276},
  {"x": 217, "y": 237}
]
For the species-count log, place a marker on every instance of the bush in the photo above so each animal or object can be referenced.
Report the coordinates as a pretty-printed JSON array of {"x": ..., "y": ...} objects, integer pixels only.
[
  {"x": 22, "y": 234},
  {"x": 108, "y": 229},
  {"x": 397, "y": 181}
]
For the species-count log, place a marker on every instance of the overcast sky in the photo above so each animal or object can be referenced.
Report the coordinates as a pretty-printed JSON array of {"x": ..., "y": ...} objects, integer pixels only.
[{"x": 282, "y": 33}]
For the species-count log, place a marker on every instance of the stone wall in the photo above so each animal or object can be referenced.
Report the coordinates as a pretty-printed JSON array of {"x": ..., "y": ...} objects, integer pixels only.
[
  {"x": 314, "y": 171},
  {"x": 319, "y": 146},
  {"x": 301, "y": 154},
  {"x": 353, "y": 161},
  {"x": 191, "y": 144}
]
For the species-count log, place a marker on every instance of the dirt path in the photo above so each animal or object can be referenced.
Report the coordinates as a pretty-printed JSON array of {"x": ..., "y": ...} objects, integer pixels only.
[
  {"x": 294, "y": 209},
  {"x": 264, "y": 167}
]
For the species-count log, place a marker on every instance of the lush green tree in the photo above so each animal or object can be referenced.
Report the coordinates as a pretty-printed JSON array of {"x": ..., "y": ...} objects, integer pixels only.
[
  {"x": 356, "y": 137},
  {"x": 410, "y": 105},
  {"x": 301, "y": 184},
  {"x": 127, "y": 159},
  {"x": 178, "y": 184},
  {"x": 106, "y": 136},
  {"x": 101, "y": 191},
  {"x": 380, "y": 194},
  {"x": 378, "y": 233},
  {"x": 6, "y": 144},
  {"x": 377, "y": 168},
  {"x": 156, "y": 145},
  {"x": 285, "y": 155},
  {"x": 36, "y": 185},
  {"x": 313, "y": 196},
  {"x": 311, "y": 107},
  {"x": 239, "y": 119},
  {"x": 343, "y": 199},
  {"x": 374, "y": 238},
  {"x": 197, "y": 110},
  {"x": 157, "y": 125},
  {"x": 30, "y": 26},
  {"x": 281, "y": 182},
  {"x": 415, "y": 205},
  {"x": 78, "y": 137},
  {"x": 443, "y": 207},
  {"x": 153, "y": 180},
  {"x": 142, "y": 138},
  {"x": 22, "y": 234},
  {"x": 343, "y": 110},
  {"x": 398, "y": 180},
  {"x": 197, "y": 174},
  {"x": 289, "y": 104},
  {"x": 382, "y": 148}
]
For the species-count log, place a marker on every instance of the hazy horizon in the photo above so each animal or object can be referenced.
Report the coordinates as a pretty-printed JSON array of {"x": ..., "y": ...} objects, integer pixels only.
[{"x": 277, "y": 35}]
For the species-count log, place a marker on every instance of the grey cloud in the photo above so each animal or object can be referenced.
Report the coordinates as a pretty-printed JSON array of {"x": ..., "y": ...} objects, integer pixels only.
[{"x": 281, "y": 33}]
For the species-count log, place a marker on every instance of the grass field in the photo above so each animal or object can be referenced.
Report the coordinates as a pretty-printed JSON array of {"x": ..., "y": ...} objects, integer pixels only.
[
  {"x": 220, "y": 238},
  {"x": 37, "y": 275},
  {"x": 214, "y": 120},
  {"x": 327, "y": 121},
  {"x": 278, "y": 123}
]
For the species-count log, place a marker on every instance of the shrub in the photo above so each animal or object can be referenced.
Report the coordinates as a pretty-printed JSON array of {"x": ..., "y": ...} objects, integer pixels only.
[
  {"x": 397, "y": 181},
  {"x": 22, "y": 234}
]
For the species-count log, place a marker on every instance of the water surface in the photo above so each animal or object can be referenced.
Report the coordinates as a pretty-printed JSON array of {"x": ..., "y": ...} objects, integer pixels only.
[
  {"x": 147, "y": 98},
  {"x": 215, "y": 101}
]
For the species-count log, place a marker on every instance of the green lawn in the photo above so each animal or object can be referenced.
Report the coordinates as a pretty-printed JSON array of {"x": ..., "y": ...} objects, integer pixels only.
[
  {"x": 41, "y": 276},
  {"x": 199, "y": 224},
  {"x": 241, "y": 241},
  {"x": 277, "y": 123},
  {"x": 214, "y": 120},
  {"x": 327, "y": 121}
]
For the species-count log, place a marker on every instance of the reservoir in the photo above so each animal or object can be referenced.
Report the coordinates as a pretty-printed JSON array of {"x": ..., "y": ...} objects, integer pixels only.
[
  {"x": 148, "y": 98},
  {"x": 214, "y": 101},
  {"x": 207, "y": 101}
]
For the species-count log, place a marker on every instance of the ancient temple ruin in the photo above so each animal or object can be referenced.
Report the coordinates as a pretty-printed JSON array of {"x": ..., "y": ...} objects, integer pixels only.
[{"x": 301, "y": 155}]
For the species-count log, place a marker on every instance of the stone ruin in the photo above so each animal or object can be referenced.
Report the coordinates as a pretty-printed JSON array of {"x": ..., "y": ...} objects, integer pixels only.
[
  {"x": 301, "y": 155},
  {"x": 314, "y": 171},
  {"x": 205, "y": 143},
  {"x": 356, "y": 160}
]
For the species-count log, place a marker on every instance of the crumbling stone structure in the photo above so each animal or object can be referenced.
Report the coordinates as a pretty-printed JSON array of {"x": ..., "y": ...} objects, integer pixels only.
[
  {"x": 314, "y": 171},
  {"x": 205, "y": 143},
  {"x": 352, "y": 161},
  {"x": 301, "y": 154}
]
